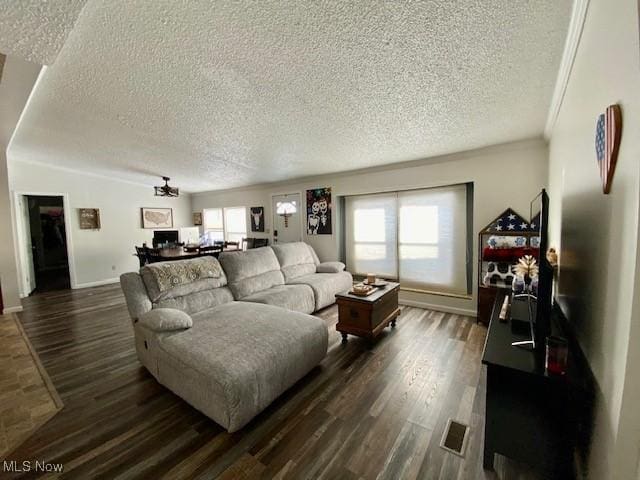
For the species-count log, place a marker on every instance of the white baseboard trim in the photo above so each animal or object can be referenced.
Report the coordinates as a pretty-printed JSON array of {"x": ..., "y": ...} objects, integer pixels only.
[
  {"x": 99, "y": 283},
  {"x": 9, "y": 310},
  {"x": 439, "y": 308}
]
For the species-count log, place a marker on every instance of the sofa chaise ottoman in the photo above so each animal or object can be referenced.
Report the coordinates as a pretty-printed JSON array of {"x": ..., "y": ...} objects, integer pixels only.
[{"x": 229, "y": 359}]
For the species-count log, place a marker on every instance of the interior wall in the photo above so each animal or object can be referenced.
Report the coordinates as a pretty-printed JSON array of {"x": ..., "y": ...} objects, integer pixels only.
[
  {"x": 99, "y": 256},
  {"x": 18, "y": 78},
  {"x": 508, "y": 175},
  {"x": 597, "y": 233}
]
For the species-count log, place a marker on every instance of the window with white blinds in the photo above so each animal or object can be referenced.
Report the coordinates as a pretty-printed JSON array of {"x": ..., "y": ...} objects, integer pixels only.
[
  {"x": 235, "y": 224},
  {"x": 416, "y": 236},
  {"x": 213, "y": 224},
  {"x": 371, "y": 234},
  {"x": 225, "y": 224}
]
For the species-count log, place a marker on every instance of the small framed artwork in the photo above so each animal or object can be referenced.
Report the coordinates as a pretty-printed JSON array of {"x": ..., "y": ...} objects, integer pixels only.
[
  {"x": 89, "y": 218},
  {"x": 197, "y": 218},
  {"x": 257, "y": 219},
  {"x": 157, "y": 217}
]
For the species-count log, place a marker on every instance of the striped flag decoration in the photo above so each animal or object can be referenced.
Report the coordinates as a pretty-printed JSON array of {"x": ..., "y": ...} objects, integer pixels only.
[{"x": 608, "y": 130}]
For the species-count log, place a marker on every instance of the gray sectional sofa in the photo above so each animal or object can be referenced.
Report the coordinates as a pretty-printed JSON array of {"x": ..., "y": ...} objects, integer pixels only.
[{"x": 230, "y": 336}]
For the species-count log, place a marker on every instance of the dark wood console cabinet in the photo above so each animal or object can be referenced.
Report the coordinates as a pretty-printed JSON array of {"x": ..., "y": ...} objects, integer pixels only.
[{"x": 531, "y": 417}]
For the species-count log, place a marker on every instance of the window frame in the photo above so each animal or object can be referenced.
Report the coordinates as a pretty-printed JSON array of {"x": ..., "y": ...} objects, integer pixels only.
[
  {"x": 227, "y": 231},
  {"x": 224, "y": 230},
  {"x": 469, "y": 196},
  {"x": 206, "y": 229}
]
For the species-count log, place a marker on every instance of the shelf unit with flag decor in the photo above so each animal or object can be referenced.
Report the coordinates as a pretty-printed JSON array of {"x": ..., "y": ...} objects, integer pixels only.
[{"x": 507, "y": 238}]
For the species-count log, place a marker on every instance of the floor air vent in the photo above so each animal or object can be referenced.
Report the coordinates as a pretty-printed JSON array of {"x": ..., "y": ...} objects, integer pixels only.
[{"x": 454, "y": 438}]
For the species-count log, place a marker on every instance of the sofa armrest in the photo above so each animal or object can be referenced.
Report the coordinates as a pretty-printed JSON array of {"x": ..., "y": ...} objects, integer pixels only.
[
  {"x": 166, "y": 320},
  {"x": 330, "y": 267}
]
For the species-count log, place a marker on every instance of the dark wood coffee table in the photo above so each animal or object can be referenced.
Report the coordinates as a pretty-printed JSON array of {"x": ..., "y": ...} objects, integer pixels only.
[{"x": 368, "y": 316}]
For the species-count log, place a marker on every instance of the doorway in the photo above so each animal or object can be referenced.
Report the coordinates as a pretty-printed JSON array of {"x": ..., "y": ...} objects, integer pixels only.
[
  {"x": 46, "y": 254},
  {"x": 287, "y": 218}
]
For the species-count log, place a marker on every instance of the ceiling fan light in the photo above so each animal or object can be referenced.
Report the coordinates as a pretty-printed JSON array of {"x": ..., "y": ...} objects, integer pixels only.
[{"x": 165, "y": 190}]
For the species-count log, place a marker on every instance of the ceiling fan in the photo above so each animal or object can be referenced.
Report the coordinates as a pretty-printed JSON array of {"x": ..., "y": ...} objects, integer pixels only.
[{"x": 165, "y": 190}]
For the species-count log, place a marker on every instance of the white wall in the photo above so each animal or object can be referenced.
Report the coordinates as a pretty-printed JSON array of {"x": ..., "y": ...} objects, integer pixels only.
[
  {"x": 508, "y": 175},
  {"x": 99, "y": 256},
  {"x": 598, "y": 234},
  {"x": 18, "y": 78}
]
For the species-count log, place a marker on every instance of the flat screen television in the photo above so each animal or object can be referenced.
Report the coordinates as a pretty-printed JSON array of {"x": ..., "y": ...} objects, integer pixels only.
[
  {"x": 540, "y": 220},
  {"x": 162, "y": 237}
]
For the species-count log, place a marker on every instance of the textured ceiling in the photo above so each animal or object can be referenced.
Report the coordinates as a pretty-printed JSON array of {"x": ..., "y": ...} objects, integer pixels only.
[
  {"x": 36, "y": 30},
  {"x": 225, "y": 94}
]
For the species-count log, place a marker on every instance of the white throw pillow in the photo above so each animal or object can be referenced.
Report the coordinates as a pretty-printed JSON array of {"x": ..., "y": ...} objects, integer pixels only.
[{"x": 330, "y": 267}]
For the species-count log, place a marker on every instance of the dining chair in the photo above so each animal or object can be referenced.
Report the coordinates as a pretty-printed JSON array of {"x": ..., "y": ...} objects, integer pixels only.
[
  {"x": 213, "y": 250},
  {"x": 247, "y": 243},
  {"x": 260, "y": 242},
  {"x": 236, "y": 245},
  {"x": 142, "y": 256},
  {"x": 153, "y": 255}
]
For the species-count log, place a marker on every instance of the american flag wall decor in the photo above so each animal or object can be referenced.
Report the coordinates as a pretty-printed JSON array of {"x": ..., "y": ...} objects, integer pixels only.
[
  {"x": 608, "y": 130},
  {"x": 510, "y": 221}
]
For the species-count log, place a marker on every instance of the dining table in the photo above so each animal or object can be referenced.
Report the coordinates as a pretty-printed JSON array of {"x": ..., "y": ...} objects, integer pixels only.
[
  {"x": 168, "y": 254},
  {"x": 181, "y": 254}
]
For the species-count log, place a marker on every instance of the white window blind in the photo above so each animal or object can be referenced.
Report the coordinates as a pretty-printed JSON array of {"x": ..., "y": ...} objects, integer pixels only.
[
  {"x": 235, "y": 224},
  {"x": 416, "y": 236},
  {"x": 432, "y": 246},
  {"x": 213, "y": 224},
  {"x": 371, "y": 235}
]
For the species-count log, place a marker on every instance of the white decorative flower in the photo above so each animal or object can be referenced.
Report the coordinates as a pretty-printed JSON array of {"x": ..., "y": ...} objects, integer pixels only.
[{"x": 527, "y": 265}]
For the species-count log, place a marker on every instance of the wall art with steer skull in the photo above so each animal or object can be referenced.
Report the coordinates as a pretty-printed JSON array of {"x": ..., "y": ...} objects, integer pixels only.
[
  {"x": 319, "y": 211},
  {"x": 257, "y": 219}
]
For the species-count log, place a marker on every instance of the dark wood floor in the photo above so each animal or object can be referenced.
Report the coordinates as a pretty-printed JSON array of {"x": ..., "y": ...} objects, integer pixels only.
[{"x": 367, "y": 412}]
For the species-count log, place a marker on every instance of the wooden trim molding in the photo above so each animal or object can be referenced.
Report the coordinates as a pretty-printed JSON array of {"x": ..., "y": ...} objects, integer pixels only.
[
  {"x": 43, "y": 373},
  {"x": 438, "y": 308},
  {"x": 576, "y": 25},
  {"x": 440, "y": 294},
  {"x": 97, "y": 283},
  {"x": 10, "y": 310}
]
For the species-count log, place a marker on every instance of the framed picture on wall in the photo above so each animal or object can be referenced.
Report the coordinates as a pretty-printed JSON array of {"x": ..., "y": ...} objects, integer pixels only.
[
  {"x": 157, "y": 217},
  {"x": 197, "y": 218},
  {"x": 319, "y": 211},
  {"x": 257, "y": 219},
  {"x": 89, "y": 218}
]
